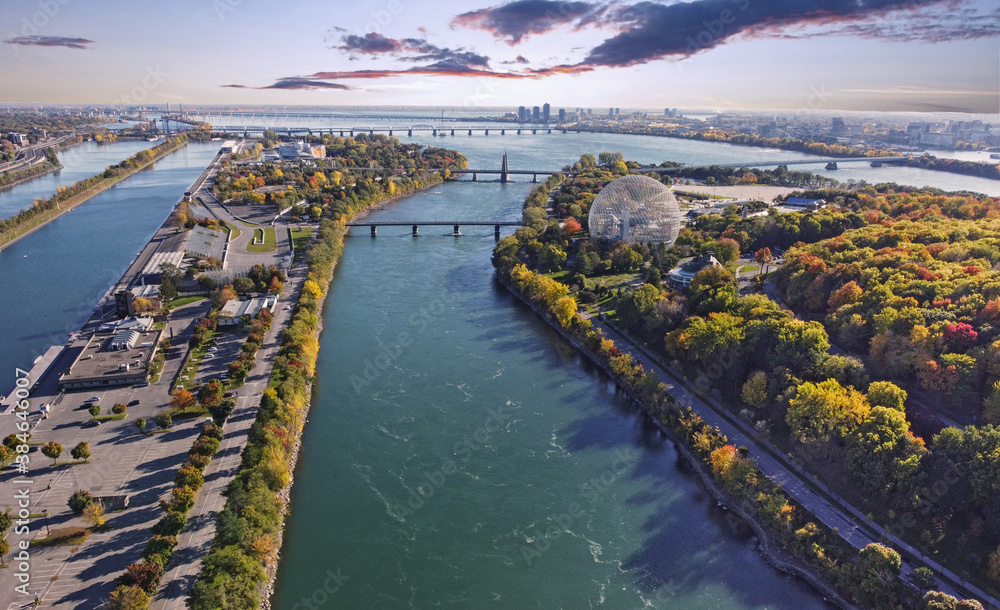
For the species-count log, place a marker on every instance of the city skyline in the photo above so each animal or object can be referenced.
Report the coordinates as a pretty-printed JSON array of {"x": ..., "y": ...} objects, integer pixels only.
[{"x": 878, "y": 55}]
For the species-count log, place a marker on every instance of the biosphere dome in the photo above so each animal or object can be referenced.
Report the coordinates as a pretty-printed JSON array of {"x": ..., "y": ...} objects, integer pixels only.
[{"x": 635, "y": 209}]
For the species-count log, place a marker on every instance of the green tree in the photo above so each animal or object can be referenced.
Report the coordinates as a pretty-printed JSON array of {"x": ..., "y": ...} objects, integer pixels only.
[
  {"x": 886, "y": 394},
  {"x": 81, "y": 451},
  {"x": 221, "y": 411},
  {"x": 79, "y": 500},
  {"x": 883, "y": 456},
  {"x": 210, "y": 394},
  {"x": 94, "y": 410},
  {"x": 128, "y": 598},
  {"x": 754, "y": 391},
  {"x": 551, "y": 257},
  {"x": 52, "y": 450},
  {"x": 140, "y": 423},
  {"x": 713, "y": 290},
  {"x": 821, "y": 411},
  {"x": 164, "y": 420},
  {"x": 879, "y": 568}
]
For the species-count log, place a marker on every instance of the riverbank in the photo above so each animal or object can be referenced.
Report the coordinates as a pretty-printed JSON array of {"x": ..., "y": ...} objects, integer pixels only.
[
  {"x": 32, "y": 221},
  {"x": 771, "y": 552},
  {"x": 263, "y": 485},
  {"x": 31, "y": 173}
]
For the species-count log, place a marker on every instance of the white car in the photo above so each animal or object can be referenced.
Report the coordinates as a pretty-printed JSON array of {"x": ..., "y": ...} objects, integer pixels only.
[
  {"x": 207, "y": 356},
  {"x": 213, "y": 349}
]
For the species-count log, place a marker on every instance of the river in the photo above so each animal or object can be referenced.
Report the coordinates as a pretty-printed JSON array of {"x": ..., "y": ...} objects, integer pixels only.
[
  {"x": 79, "y": 162},
  {"x": 432, "y": 476}
]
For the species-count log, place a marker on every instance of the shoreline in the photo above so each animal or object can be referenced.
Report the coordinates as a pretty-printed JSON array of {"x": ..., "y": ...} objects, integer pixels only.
[
  {"x": 770, "y": 552},
  {"x": 28, "y": 179},
  {"x": 285, "y": 494},
  {"x": 87, "y": 196}
]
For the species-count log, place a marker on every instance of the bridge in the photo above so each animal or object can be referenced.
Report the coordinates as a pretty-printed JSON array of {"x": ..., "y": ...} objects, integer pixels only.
[
  {"x": 455, "y": 224},
  {"x": 834, "y": 161},
  {"x": 435, "y": 130}
]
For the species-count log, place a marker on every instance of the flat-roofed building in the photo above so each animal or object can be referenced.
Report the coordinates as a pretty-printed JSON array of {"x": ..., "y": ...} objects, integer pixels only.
[
  {"x": 233, "y": 312},
  {"x": 112, "y": 356}
]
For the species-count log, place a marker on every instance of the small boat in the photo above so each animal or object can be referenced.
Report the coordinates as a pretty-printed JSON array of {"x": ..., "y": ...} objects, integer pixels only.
[
  {"x": 876, "y": 164},
  {"x": 832, "y": 165}
]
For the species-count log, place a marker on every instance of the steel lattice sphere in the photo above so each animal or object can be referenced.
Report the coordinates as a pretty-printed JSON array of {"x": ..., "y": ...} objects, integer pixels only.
[{"x": 635, "y": 209}]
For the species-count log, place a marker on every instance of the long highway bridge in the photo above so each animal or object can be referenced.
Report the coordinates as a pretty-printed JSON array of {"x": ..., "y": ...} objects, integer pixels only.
[{"x": 435, "y": 130}]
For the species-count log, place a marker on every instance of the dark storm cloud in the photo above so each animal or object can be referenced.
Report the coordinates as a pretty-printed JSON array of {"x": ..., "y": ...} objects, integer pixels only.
[
  {"x": 411, "y": 49},
  {"x": 298, "y": 83}
]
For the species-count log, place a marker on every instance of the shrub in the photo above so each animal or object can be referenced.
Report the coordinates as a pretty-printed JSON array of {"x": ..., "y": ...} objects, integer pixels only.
[
  {"x": 199, "y": 461},
  {"x": 144, "y": 575},
  {"x": 164, "y": 420},
  {"x": 94, "y": 410},
  {"x": 205, "y": 446},
  {"x": 140, "y": 423},
  {"x": 159, "y": 546},
  {"x": 81, "y": 451},
  {"x": 171, "y": 524},
  {"x": 189, "y": 476},
  {"x": 119, "y": 408},
  {"x": 128, "y": 598}
]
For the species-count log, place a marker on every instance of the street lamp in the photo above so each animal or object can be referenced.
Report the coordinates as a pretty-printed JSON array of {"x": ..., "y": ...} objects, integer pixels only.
[{"x": 45, "y": 513}]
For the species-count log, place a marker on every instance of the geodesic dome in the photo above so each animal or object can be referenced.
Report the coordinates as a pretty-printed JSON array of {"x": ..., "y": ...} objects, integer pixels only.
[{"x": 635, "y": 209}]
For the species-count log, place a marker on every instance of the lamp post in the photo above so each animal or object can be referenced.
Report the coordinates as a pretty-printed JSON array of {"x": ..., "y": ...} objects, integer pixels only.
[{"x": 45, "y": 513}]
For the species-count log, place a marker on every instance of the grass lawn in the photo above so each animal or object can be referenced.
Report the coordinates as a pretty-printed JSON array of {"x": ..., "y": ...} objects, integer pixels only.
[
  {"x": 181, "y": 302},
  {"x": 269, "y": 237},
  {"x": 112, "y": 417},
  {"x": 234, "y": 231},
  {"x": 611, "y": 281},
  {"x": 64, "y": 535},
  {"x": 300, "y": 239},
  {"x": 195, "y": 411}
]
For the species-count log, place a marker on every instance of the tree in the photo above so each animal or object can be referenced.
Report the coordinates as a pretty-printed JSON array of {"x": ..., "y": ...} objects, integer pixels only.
[
  {"x": 243, "y": 285},
  {"x": 821, "y": 411},
  {"x": 142, "y": 305},
  {"x": 727, "y": 250},
  {"x": 754, "y": 391},
  {"x": 552, "y": 257},
  {"x": 145, "y": 575},
  {"x": 52, "y": 450},
  {"x": 164, "y": 420},
  {"x": 845, "y": 295},
  {"x": 4, "y": 549},
  {"x": 182, "y": 400},
  {"x": 879, "y": 566},
  {"x": 571, "y": 226},
  {"x": 93, "y": 513},
  {"x": 119, "y": 408},
  {"x": 79, "y": 500},
  {"x": 886, "y": 394},
  {"x": 763, "y": 256},
  {"x": 140, "y": 423},
  {"x": 170, "y": 281},
  {"x": 210, "y": 394},
  {"x": 81, "y": 451},
  {"x": 94, "y": 409},
  {"x": 991, "y": 405},
  {"x": 565, "y": 310},
  {"x": 713, "y": 290},
  {"x": 128, "y": 598},
  {"x": 221, "y": 411},
  {"x": 883, "y": 456}
]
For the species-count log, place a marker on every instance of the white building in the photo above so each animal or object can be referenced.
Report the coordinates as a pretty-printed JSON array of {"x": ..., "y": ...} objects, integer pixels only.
[{"x": 232, "y": 313}]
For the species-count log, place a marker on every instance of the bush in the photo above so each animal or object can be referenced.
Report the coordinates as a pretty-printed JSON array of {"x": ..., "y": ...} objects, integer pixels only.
[
  {"x": 221, "y": 412},
  {"x": 119, "y": 408},
  {"x": 80, "y": 500},
  {"x": 140, "y": 423},
  {"x": 164, "y": 420},
  {"x": 144, "y": 575},
  {"x": 94, "y": 410},
  {"x": 160, "y": 547},
  {"x": 199, "y": 461},
  {"x": 205, "y": 446},
  {"x": 212, "y": 431}
]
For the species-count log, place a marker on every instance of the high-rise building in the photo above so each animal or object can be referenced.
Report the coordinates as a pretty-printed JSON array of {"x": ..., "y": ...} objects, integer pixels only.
[
  {"x": 536, "y": 113},
  {"x": 546, "y": 113},
  {"x": 611, "y": 113},
  {"x": 618, "y": 110},
  {"x": 562, "y": 115},
  {"x": 522, "y": 114}
]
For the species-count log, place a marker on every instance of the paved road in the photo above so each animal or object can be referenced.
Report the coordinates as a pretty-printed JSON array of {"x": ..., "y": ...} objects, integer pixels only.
[
  {"x": 195, "y": 541},
  {"x": 834, "y": 512}
]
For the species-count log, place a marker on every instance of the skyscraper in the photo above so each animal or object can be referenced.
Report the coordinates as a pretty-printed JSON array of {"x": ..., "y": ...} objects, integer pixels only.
[
  {"x": 546, "y": 113},
  {"x": 536, "y": 113},
  {"x": 611, "y": 113},
  {"x": 522, "y": 114},
  {"x": 562, "y": 115}
]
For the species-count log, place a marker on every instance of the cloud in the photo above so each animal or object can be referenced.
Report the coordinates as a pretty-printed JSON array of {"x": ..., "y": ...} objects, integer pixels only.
[
  {"x": 298, "y": 83},
  {"x": 437, "y": 69},
  {"x": 515, "y": 21},
  {"x": 931, "y": 26},
  {"x": 50, "y": 41},
  {"x": 411, "y": 50}
]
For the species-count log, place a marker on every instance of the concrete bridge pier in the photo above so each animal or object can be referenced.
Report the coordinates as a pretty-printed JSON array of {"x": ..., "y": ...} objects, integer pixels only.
[
  {"x": 503, "y": 132},
  {"x": 518, "y": 132},
  {"x": 371, "y": 132},
  {"x": 534, "y": 131},
  {"x": 496, "y": 232},
  {"x": 409, "y": 133},
  {"x": 374, "y": 231},
  {"x": 352, "y": 133},
  {"x": 452, "y": 132},
  {"x": 534, "y": 178},
  {"x": 487, "y": 132},
  {"x": 475, "y": 177},
  {"x": 470, "y": 132},
  {"x": 550, "y": 131},
  {"x": 434, "y": 132},
  {"x": 457, "y": 233},
  {"x": 390, "y": 133},
  {"x": 415, "y": 232},
  {"x": 341, "y": 133}
]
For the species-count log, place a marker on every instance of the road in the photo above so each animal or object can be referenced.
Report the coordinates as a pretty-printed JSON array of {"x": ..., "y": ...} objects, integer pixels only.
[
  {"x": 829, "y": 508},
  {"x": 32, "y": 155}
]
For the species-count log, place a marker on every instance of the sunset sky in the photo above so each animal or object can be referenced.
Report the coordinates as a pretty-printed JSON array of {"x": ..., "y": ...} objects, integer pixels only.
[{"x": 888, "y": 55}]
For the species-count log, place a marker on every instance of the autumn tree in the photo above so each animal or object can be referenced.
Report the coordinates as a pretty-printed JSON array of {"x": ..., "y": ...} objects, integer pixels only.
[
  {"x": 883, "y": 456},
  {"x": 81, "y": 451},
  {"x": 754, "y": 391},
  {"x": 886, "y": 394},
  {"x": 821, "y": 411},
  {"x": 182, "y": 399},
  {"x": 879, "y": 568},
  {"x": 210, "y": 393},
  {"x": 571, "y": 226},
  {"x": 52, "y": 450}
]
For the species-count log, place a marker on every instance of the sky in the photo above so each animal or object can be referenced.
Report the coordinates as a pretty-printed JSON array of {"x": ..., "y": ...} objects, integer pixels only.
[{"x": 863, "y": 55}]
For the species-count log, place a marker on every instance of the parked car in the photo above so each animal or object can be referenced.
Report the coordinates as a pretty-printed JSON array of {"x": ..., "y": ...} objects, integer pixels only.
[
  {"x": 207, "y": 356},
  {"x": 93, "y": 399},
  {"x": 213, "y": 349},
  {"x": 133, "y": 403},
  {"x": 142, "y": 384}
]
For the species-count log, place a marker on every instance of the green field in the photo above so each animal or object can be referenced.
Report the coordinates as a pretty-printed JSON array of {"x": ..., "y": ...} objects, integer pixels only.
[
  {"x": 300, "y": 239},
  {"x": 181, "y": 302},
  {"x": 270, "y": 240}
]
